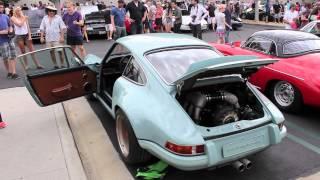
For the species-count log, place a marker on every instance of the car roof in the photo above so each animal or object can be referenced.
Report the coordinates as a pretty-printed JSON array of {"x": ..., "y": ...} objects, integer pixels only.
[
  {"x": 283, "y": 36},
  {"x": 140, "y": 44}
]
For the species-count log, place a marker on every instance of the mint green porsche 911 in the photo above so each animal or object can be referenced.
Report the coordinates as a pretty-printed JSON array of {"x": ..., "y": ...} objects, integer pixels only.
[{"x": 172, "y": 96}]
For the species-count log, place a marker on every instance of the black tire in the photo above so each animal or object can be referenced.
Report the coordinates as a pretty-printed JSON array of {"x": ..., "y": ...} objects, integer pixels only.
[
  {"x": 135, "y": 154},
  {"x": 297, "y": 103}
]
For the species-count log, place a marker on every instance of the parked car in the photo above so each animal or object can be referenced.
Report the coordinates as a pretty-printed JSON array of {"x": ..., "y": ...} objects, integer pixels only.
[
  {"x": 312, "y": 27},
  {"x": 172, "y": 96},
  {"x": 94, "y": 20},
  {"x": 294, "y": 80},
  {"x": 236, "y": 22},
  {"x": 186, "y": 19},
  {"x": 250, "y": 15},
  {"x": 35, "y": 17}
]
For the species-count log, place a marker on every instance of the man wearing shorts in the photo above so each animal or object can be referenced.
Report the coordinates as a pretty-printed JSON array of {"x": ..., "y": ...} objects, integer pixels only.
[
  {"x": 7, "y": 47},
  {"x": 74, "y": 21},
  {"x": 53, "y": 26},
  {"x": 118, "y": 15},
  {"x": 107, "y": 20}
]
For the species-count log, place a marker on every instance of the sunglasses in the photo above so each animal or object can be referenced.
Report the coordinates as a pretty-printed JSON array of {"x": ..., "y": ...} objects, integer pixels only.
[{"x": 49, "y": 10}]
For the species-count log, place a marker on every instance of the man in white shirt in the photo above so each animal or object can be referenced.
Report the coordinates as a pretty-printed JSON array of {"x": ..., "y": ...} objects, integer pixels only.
[
  {"x": 197, "y": 13},
  {"x": 53, "y": 27},
  {"x": 290, "y": 16}
]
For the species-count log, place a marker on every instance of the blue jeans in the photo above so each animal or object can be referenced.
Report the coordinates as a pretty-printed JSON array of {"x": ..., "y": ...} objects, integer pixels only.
[
  {"x": 226, "y": 38},
  {"x": 136, "y": 28},
  {"x": 151, "y": 26}
]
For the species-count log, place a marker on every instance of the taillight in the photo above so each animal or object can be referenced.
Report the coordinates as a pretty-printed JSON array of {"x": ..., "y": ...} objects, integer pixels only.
[
  {"x": 281, "y": 125},
  {"x": 185, "y": 150}
]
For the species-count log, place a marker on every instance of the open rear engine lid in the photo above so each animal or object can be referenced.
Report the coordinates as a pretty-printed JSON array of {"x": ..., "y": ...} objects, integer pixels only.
[{"x": 243, "y": 65}]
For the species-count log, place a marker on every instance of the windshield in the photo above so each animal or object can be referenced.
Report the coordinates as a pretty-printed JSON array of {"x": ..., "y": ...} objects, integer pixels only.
[
  {"x": 35, "y": 17},
  {"x": 173, "y": 64},
  {"x": 299, "y": 47}
]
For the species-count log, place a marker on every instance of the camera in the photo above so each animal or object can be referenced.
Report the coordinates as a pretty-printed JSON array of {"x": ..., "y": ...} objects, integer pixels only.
[{"x": 193, "y": 18}]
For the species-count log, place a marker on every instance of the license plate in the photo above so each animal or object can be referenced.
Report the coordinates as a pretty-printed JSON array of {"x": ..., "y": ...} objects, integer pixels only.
[
  {"x": 245, "y": 144},
  {"x": 102, "y": 32}
]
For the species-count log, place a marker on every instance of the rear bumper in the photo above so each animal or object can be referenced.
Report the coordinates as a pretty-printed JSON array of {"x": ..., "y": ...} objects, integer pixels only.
[
  {"x": 96, "y": 32},
  {"x": 223, "y": 150}
]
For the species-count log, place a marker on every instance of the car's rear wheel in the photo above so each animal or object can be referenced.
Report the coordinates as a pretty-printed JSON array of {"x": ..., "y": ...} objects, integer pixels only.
[
  {"x": 286, "y": 96},
  {"x": 129, "y": 148}
]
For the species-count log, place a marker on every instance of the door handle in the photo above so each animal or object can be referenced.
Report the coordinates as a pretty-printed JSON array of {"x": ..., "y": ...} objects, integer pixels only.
[{"x": 62, "y": 91}]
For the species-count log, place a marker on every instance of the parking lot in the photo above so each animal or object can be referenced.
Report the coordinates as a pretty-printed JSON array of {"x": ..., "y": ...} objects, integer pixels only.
[{"x": 297, "y": 156}]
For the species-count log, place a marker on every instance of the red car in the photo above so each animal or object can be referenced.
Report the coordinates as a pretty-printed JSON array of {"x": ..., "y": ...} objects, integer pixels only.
[{"x": 295, "y": 79}]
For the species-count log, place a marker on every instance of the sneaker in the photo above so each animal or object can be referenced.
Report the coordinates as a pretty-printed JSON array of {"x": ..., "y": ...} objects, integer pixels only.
[
  {"x": 40, "y": 67},
  {"x": 15, "y": 76},
  {"x": 3, "y": 125},
  {"x": 9, "y": 75}
]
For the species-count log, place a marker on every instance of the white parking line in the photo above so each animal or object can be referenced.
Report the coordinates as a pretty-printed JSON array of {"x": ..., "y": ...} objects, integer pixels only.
[
  {"x": 307, "y": 132},
  {"x": 304, "y": 143}
]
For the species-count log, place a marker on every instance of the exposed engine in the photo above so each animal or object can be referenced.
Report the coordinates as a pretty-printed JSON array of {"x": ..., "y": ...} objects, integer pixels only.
[{"x": 221, "y": 104}]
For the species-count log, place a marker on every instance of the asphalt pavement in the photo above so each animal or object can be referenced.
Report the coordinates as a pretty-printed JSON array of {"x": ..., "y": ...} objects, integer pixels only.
[{"x": 297, "y": 156}]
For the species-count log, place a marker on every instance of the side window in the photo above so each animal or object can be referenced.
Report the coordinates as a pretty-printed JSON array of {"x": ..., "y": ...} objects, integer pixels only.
[
  {"x": 261, "y": 45},
  {"x": 315, "y": 29},
  {"x": 248, "y": 42},
  {"x": 134, "y": 72},
  {"x": 48, "y": 60}
]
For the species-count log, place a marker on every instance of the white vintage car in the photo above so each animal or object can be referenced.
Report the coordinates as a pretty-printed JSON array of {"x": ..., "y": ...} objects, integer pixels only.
[{"x": 186, "y": 19}]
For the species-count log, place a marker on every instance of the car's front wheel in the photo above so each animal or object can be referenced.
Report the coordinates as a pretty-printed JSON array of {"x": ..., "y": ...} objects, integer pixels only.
[
  {"x": 286, "y": 96},
  {"x": 129, "y": 148}
]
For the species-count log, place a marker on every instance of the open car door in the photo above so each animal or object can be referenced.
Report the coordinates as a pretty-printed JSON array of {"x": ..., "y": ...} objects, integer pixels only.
[{"x": 57, "y": 74}]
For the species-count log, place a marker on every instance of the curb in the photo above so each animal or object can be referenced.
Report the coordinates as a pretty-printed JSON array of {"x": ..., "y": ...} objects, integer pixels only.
[
  {"x": 99, "y": 157},
  {"x": 259, "y": 23},
  {"x": 71, "y": 155}
]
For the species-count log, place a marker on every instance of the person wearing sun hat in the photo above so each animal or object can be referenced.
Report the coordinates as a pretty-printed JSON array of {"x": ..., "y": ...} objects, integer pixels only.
[{"x": 53, "y": 27}]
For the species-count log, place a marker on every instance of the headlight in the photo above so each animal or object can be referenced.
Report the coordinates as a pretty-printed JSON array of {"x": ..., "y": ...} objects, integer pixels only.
[{"x": 89, "y": 28}]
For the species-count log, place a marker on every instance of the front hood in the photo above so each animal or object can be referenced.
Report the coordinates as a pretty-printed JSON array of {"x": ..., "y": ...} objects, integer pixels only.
[{"x": 244, "y": 65}]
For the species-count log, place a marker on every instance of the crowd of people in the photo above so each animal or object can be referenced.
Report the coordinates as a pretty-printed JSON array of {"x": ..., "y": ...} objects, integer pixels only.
[{"x": 136, "y": 17}]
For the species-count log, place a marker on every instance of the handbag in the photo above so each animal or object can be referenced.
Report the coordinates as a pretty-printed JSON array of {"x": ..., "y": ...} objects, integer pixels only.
[{"x": 11, "y": 32}]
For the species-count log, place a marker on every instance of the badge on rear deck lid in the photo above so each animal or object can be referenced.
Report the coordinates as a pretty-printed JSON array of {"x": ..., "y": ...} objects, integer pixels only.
[{"x": 237, "y": 126}]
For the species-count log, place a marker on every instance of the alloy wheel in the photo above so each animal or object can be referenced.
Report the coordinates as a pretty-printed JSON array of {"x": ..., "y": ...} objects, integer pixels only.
[
  {"x": 284, "y": 93},
  {"x": 122, "y": 135}
]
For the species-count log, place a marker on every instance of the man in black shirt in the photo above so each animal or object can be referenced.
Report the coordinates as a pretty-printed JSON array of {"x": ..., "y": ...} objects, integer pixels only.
[
  {"x": 211, "y": 9},
  {"x": 228, "y": 17},
  {"x": 138, "y": 15},
  {"x": 107, "y": 20},
  {"x": 276, "y": 9}
]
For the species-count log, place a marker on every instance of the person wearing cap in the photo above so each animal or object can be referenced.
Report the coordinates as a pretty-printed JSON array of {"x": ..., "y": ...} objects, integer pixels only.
[
  {"x": 118, "y": 16},
  {"x": 290, "y": 17},
  {"x": 53, "y": 27}
]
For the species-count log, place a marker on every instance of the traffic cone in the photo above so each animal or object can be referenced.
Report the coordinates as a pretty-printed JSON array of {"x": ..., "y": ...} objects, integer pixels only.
[{"x": 2, "y": 124}]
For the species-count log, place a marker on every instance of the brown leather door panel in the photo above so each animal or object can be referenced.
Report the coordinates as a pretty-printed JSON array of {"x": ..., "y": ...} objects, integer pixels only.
[{"x": 56, "y": 87}]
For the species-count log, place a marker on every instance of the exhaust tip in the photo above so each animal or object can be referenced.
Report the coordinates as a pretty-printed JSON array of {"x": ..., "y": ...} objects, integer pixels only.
[
  {"x": 247, "y": 163},
  {"x": 249, "y": 166},
  {"x": 239, "y": 166}
]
